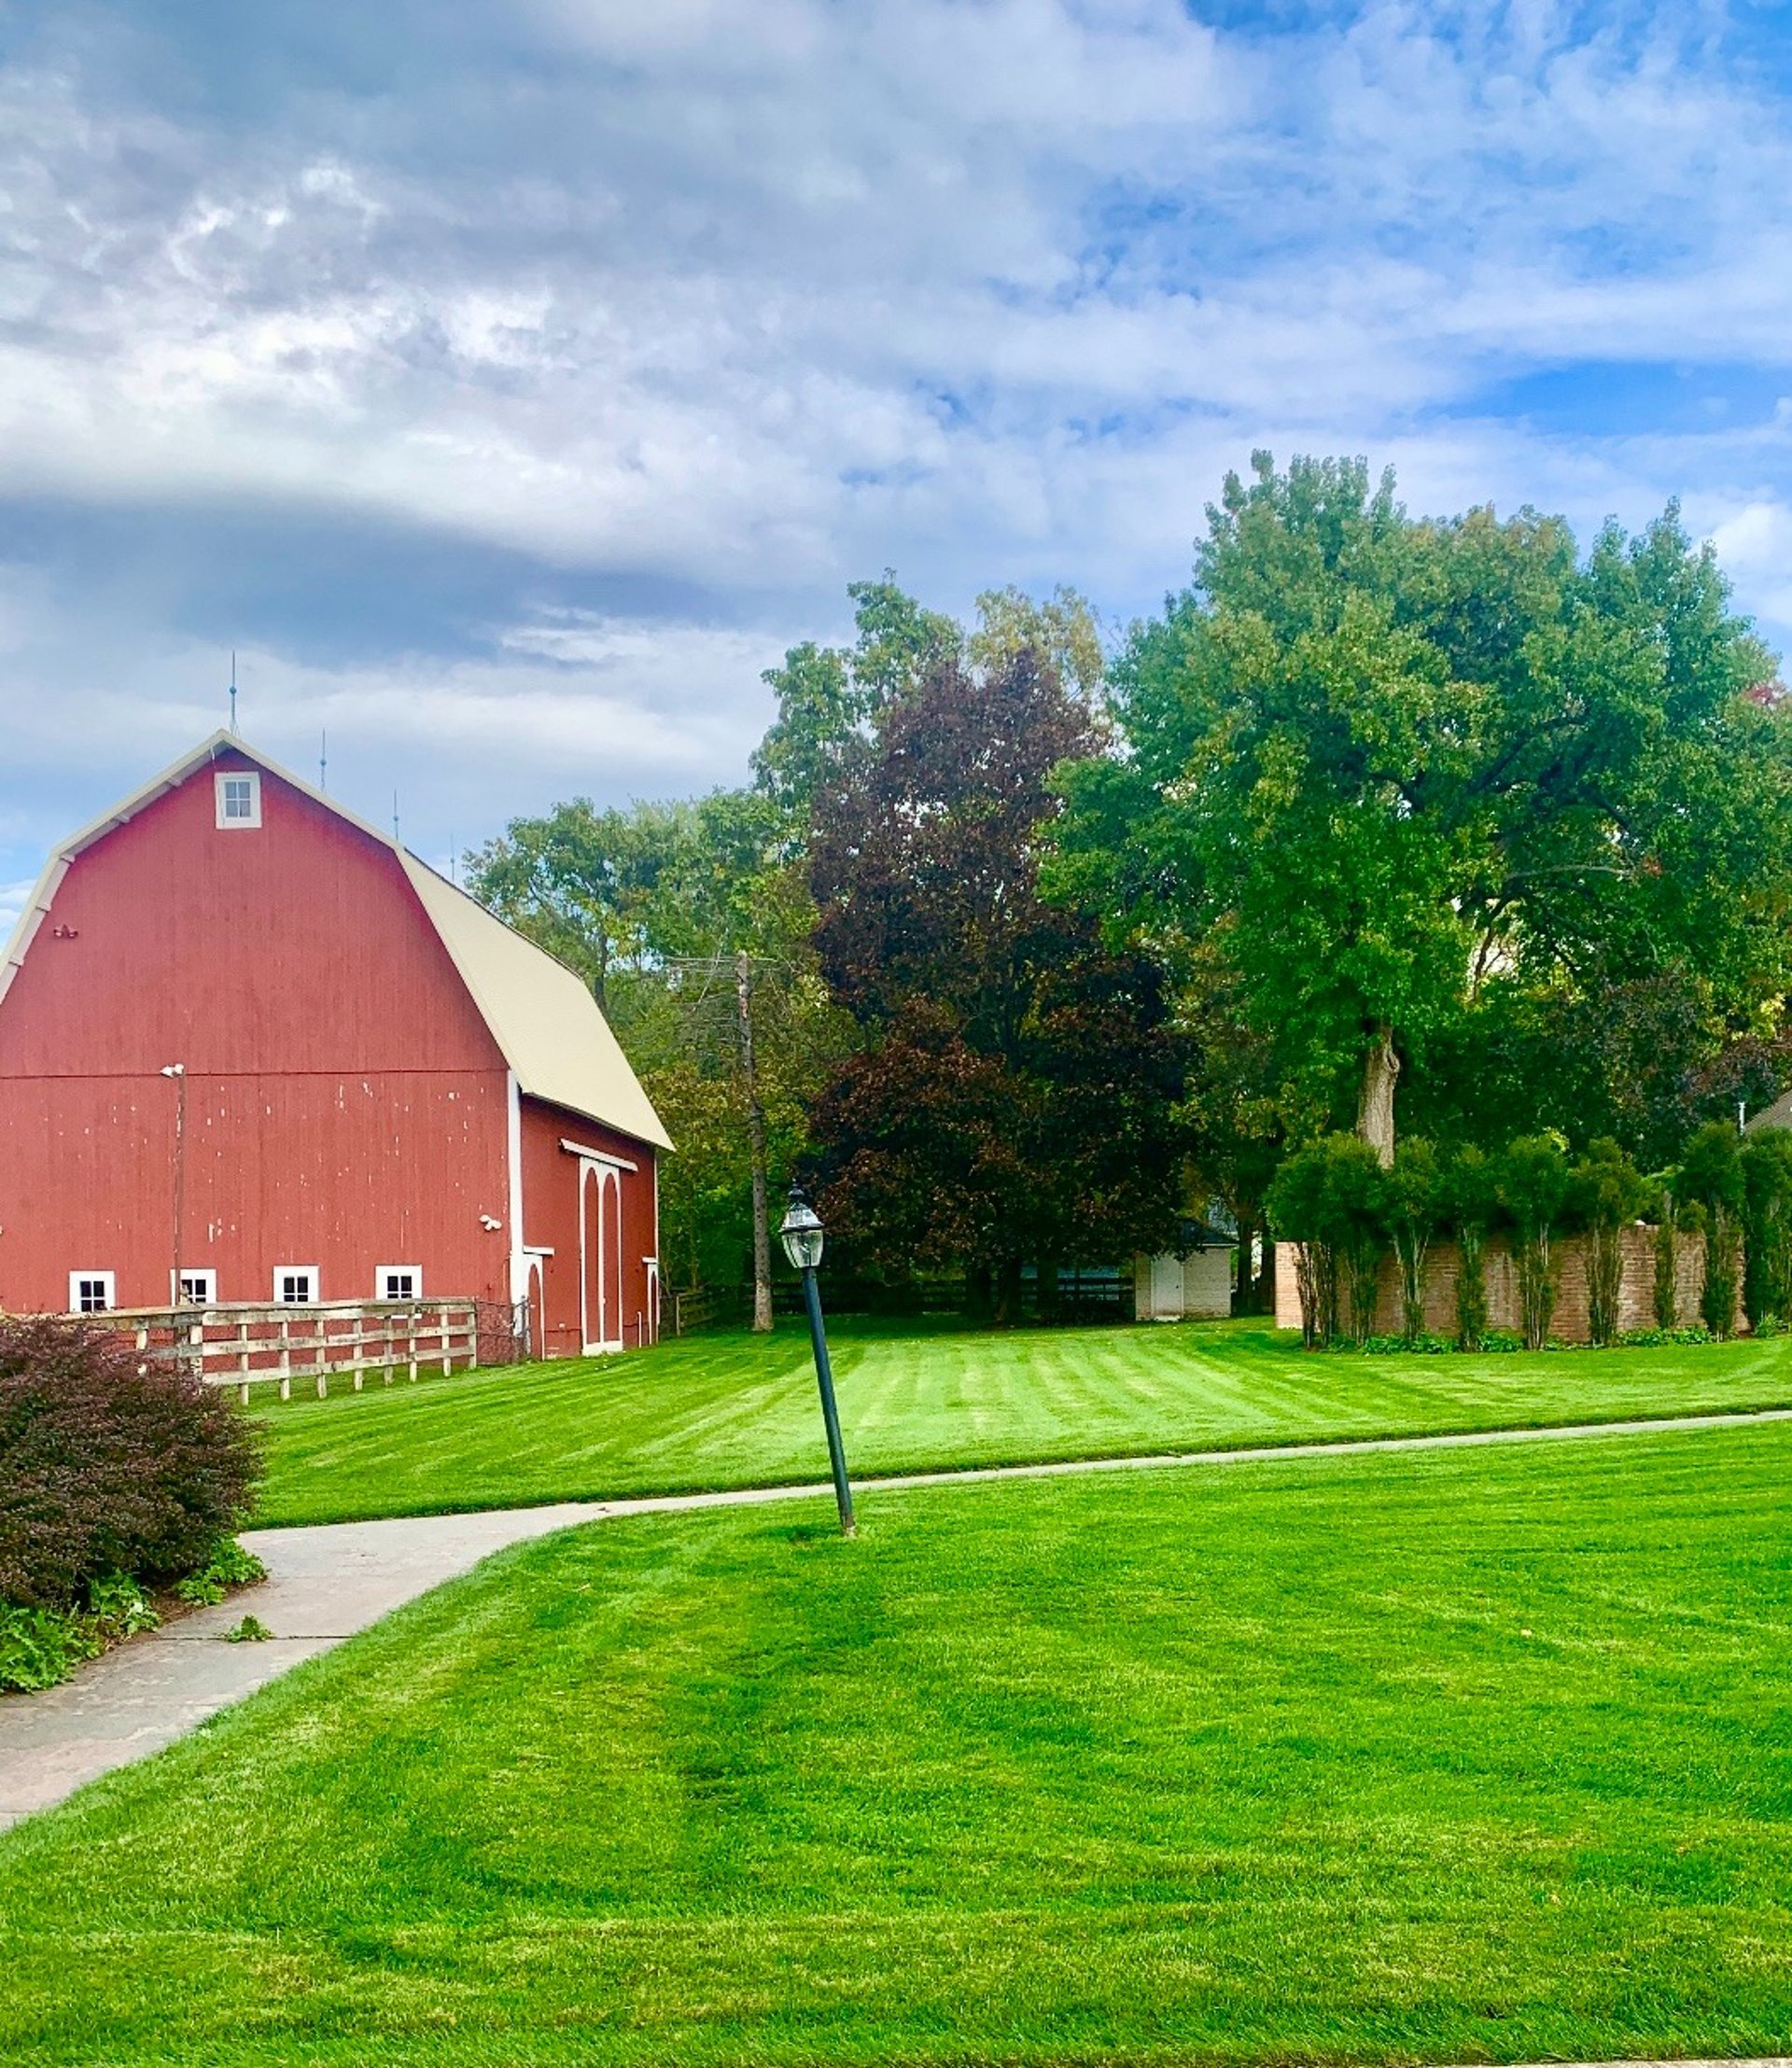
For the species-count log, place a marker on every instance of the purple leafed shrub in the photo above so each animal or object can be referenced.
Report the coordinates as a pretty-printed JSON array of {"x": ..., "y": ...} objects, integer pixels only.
[{"x": 105, "y": 1468}]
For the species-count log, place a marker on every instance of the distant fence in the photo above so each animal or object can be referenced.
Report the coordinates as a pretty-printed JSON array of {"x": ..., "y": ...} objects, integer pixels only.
[
  {"x": 250, "y": 1346},
  {"x": 1098, "y": 1292}
]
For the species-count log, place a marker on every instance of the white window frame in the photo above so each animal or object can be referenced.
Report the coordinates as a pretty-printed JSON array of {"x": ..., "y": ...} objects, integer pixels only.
[
  {"x": 208, "y": 1280},
  {"x": 310, "y": 1275},
  {"x": 228, "y": 823},
  {"x": 412, "y": 1271},
  {"x": 107, "y": 1279}
]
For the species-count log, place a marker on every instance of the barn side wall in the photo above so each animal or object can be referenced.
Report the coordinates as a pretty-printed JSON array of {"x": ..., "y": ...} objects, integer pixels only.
[
  {"x": 345, "y": 1104},
  {"x": 1636, "y": 1295},
  {"x": 552, "y": 1220}
]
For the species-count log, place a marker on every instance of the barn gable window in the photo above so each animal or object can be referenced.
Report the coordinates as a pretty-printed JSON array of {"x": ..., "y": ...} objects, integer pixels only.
[
  {"x": 399, "y": 1281},
  {"x": 196, "y": 1289},
  {"x": 239, "y": 802},
  {"x": 296, "y": 1285},
  {"x": 93, "y": 1292}
]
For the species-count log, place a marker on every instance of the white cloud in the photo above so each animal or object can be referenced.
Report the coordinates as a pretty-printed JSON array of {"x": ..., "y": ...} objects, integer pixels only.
[{"x": 988, "y": 291}]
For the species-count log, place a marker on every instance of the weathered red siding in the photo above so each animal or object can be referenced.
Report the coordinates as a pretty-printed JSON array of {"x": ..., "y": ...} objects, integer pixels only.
[
  {"x": 346, "y": 1106},
  {"x": 552, "y": 1220}
]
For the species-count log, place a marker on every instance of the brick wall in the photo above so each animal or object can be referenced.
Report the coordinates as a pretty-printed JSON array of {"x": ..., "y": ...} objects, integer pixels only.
[{"x": 1568, "y": 1259}]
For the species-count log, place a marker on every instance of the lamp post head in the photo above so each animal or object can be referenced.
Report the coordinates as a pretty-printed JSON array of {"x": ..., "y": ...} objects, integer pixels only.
[{"x": 801, "y": 1233}]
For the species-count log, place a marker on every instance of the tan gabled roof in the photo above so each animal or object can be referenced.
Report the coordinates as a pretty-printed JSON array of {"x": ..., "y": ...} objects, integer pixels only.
[
  {"x": 543, "y": 1019},
  {"x": 541, "y": 1015}
]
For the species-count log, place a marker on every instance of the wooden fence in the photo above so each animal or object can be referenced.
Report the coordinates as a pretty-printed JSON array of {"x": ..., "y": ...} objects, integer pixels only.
[{"x": 248, "y": 1346}]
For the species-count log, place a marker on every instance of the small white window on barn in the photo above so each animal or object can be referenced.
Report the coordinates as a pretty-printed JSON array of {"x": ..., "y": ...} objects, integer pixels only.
[
  {"x": 398, "y": 1282},
  {"x": 93, "y": 1292},
  {"x": 239, "y": 802},
  {"x": 196, "y": 1289},
  {"x": 296, "y": 1285}
]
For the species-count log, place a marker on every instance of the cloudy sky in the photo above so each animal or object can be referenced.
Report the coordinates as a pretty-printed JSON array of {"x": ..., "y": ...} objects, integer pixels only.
[{"x": 509, "y": 382}]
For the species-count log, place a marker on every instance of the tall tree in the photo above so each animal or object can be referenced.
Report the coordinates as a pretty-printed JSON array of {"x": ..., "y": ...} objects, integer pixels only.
[
  {"x": 1400, "y": 771},
  {"x": 1013, "y": 1095}
]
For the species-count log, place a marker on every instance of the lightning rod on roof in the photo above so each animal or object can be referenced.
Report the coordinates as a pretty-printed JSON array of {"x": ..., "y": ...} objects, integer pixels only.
[
  {"x": 395, "y": 815},
  {"x": 323, "y": 760},
  {"x": 232, "y": 689}
]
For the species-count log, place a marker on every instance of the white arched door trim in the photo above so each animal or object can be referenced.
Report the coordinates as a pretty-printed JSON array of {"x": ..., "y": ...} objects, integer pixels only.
[{"x": 600, "y": 1252}]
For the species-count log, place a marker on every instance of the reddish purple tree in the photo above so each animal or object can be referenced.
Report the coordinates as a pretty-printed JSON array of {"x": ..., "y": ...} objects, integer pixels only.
[{"x": 1016, "y": 1095}]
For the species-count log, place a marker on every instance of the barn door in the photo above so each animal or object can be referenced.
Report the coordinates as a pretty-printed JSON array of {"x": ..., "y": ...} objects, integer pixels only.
[
  {"x": 600, "y": 1257},
  {"x": 591, "y": 1267}
]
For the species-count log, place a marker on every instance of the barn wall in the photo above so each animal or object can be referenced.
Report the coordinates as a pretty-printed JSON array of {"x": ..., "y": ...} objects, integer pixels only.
[
  {"x": 551, "y": 1220},
  {"x": 346, "y": 1105}
]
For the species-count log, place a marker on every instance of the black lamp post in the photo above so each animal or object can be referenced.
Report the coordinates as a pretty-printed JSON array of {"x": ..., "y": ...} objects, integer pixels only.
[{"x": 801, "y": 1234}]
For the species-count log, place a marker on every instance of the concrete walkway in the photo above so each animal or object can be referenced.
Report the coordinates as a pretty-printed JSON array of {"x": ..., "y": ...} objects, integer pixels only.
[{"x": 325, "y": 1582}]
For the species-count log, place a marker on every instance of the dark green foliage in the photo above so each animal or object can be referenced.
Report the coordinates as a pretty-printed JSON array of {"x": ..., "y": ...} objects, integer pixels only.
[
  {"x": 228, "y": 1566},
  {"x": 1468, "y": 1198},
  {"x": 1609, "y": 1194},
  {"x": 1332, "y": 1198},
  {"x": 105, "y": 1468},
  {"x": 1711, "y": 1178},
  {"x": 1766, "y": 1225},
  {"x": 1414, "y": 1204},
  {"x": 1533, "y": 1184},
  {"x": 40, "y": 1646}
]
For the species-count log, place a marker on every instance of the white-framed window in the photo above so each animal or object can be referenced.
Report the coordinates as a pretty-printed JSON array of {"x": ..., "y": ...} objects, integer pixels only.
[
  {"x": 196, "y": 1289},
  {"x": 399, "y": 1281},
  {"x": 93, "y": 1292},
  {"x": 296, "y": 1285},
  {"x": 239, "y": 801}
]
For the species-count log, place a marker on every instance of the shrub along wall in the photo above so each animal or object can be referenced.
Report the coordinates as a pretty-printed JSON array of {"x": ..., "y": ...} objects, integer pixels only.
[{"x": 1568, "y": 1260}]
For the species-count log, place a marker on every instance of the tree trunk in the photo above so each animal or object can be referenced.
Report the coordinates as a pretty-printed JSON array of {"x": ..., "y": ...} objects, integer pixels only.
[
  {"x": 756, "y": 1146},
  {"x": 1265, "y": 1302},
  {"x": 1375, "y": 1111}
]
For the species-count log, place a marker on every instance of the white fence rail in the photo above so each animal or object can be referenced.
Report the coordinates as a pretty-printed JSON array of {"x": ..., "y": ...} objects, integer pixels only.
[{"x": 249, "y": 1346}]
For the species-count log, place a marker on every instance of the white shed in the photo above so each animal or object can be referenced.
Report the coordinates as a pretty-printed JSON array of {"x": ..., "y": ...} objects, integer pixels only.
[{"x": 1197, "y": 1286}]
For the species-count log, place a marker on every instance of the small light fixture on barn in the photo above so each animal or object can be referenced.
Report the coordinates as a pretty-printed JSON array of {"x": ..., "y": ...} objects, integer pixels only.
[{"x": 801, "y": 1236}]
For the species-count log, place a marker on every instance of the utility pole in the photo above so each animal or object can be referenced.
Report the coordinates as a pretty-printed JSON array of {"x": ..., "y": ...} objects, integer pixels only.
[{"x": 756, "y": 1144}]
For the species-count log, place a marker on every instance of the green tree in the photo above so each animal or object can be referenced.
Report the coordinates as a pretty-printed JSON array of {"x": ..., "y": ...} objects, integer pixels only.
[
  {"x": 831, "y": 697},
  {"x": 1534, "y": 1186},
  {"x": 1767, "y": 1227},
  {"x": 1609, "y": 1196},
  {"x": 1403, "y": 769},
  {"x": 1414, "y": 1208},
  {"x": 1469, "y": 1197},
  {"x": 1331, "y": 1198},
  {"x": 1711, "y": 1178}
]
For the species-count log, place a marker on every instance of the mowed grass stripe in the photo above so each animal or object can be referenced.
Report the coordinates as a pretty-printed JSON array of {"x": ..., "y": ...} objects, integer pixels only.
[
  {"x": 1428, "y": 1757},
  {"x": 732, "y": 1410}
]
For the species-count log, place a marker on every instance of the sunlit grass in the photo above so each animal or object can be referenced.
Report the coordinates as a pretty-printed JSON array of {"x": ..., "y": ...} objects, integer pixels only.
[
  {"x": 1441, "y": 1757},
  {"x": 732, "y": 1410}
]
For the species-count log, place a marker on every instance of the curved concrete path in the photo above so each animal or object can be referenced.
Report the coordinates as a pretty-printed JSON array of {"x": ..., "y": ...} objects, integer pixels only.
[{"x": 329, "y": 1581}]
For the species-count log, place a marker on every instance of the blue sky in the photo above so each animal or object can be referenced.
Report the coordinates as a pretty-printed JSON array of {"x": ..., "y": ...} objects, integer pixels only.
[{"x": 510, "y": 383}]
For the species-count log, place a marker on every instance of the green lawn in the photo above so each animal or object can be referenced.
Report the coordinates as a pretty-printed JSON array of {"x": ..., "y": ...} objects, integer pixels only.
[
  {"x": 1442, "y": 1757},
  {"x": 730, "y": 1409}
]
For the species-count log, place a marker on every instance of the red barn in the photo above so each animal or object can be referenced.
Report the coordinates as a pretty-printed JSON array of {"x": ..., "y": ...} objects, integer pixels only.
[{"x": 252, "y": 1050}]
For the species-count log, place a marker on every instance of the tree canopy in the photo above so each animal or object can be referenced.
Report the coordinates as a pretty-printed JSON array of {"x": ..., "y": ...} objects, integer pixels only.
[{"x": 1426, "y": 787}]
